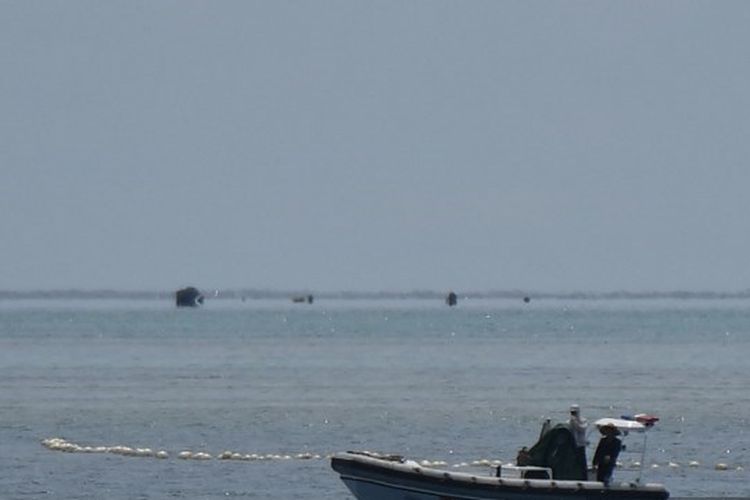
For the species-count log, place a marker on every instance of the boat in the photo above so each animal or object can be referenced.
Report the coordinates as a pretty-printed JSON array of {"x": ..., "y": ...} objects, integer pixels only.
[
  {"x": 188, "y": 297},
  {"x": 372, "y": 476}
]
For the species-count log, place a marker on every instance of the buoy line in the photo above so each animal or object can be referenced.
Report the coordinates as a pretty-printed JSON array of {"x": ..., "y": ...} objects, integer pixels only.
[{"x": 61, "y": 444}]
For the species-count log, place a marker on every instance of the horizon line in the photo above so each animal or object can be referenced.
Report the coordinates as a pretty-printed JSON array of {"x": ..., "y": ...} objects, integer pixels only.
[{"x": 271, "y": 293}]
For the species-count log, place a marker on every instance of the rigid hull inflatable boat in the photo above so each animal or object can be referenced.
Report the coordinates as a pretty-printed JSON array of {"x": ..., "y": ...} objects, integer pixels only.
[{"x": 372, "y": 476}]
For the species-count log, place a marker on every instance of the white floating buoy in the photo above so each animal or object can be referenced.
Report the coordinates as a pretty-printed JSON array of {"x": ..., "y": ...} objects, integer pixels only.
[
  {"x": 739, "y": 468},
  {"x": 674, "y": 465},
  {"x": 483, "y": 462},
  {"x": 54, "y": 443},
  {"x": 162, "y": 454},
  {"x": 694, "y": 463},
  {"x": 654, "y": 466},
  {"x": 225, "y": 455},
  {"x": 185, "y": 455},
  {"x": 721, "y": 466}
]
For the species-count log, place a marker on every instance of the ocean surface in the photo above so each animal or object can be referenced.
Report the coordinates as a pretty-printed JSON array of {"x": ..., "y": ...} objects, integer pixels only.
[{"x": 285, "y": 385}]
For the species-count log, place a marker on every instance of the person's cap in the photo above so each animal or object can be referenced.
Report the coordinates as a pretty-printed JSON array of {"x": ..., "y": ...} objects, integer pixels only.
[{"x": 575, "y": 408}]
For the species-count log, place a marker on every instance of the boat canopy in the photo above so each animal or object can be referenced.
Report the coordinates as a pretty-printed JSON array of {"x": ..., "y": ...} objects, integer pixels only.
[
  {"x": 556, "y": 450},
  {"x": 621, "y": 424}
]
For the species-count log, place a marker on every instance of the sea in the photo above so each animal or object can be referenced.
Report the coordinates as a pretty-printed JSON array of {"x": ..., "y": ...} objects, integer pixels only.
[{"x": 137, "y": 399}]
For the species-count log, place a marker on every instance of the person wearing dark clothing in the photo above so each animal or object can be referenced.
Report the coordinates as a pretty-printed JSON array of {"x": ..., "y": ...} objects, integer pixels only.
[
  {"x": 523, "y": 457},
  {"x": 606, "y": 454}
]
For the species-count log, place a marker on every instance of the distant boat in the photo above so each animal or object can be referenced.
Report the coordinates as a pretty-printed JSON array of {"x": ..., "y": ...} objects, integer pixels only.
[
  {"x": 451, "y": 299},
  {"x": 188, "y": 297},
  {"x": 300, "y": 299}
]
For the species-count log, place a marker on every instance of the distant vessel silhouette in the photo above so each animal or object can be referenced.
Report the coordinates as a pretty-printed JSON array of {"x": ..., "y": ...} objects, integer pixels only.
[
  {"x": 451, "y": 299},
  {"x": 302, "y": 298},
  {"x": 188, "y": 297}
]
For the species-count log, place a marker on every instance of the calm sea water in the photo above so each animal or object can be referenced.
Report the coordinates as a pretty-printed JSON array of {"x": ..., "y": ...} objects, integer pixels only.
[{"x": 410, "y": 377}]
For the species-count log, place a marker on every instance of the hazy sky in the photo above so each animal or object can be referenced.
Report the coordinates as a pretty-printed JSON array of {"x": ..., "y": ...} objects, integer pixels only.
[{"x": 472, "y": 145}]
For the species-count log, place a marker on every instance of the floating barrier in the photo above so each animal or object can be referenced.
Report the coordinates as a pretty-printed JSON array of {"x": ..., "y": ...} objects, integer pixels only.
[
  {"x": 63, "y": 445},
  {"x": 60, "y": 444}
]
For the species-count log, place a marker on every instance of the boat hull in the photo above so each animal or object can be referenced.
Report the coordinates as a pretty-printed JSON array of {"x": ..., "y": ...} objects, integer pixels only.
[{"x": 370, "y": 478}]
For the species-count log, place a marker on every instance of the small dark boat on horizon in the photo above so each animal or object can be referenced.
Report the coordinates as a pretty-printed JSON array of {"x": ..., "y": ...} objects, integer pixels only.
[{"x": 188, "y": 297}]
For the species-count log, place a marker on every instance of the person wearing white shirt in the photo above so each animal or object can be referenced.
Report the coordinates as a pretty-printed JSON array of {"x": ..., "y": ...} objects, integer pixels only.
[{"x": 578, "y": 425}]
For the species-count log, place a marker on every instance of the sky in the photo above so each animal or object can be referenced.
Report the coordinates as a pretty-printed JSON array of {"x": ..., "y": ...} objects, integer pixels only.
[{"x": 389, "y": 145}]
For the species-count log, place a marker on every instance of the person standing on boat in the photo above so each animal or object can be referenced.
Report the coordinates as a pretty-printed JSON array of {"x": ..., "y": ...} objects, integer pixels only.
[
  {"x": 607, "y": 450},
  {"x": 578, "y": 425}
]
